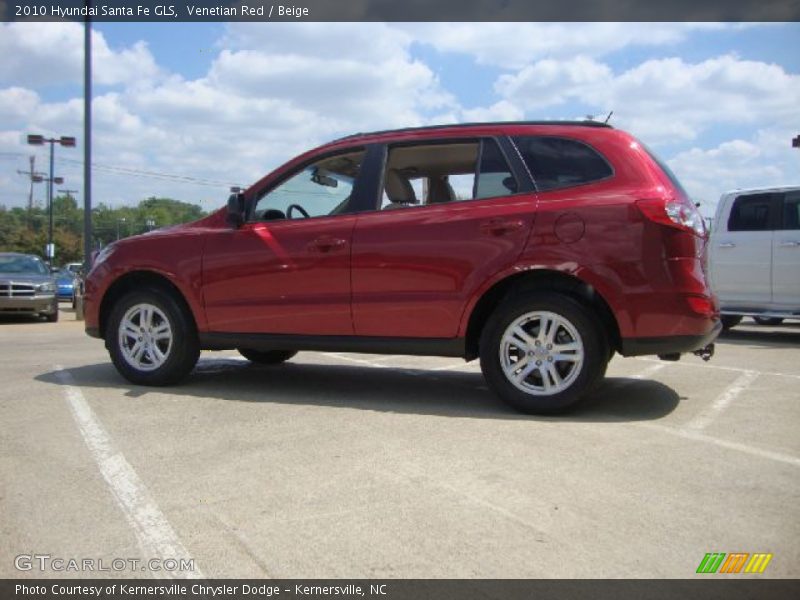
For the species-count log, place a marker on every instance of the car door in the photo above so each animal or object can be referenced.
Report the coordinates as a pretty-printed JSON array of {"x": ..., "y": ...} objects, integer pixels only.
[
  {"x": 287, "y": 269},
  {"x": 786, "y": 255},
  {"x": 451, "y": 215},
  {"x": 742, "y": 252}
]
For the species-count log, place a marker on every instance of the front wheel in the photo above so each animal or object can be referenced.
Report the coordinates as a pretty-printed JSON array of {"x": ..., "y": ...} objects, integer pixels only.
[
  {"x": 266, "y": 357},
  {"x": 151, "y": 338},
  {"x": 543, "y": 353}
]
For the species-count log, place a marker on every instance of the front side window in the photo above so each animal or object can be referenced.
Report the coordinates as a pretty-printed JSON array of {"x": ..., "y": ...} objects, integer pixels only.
[
  {"x": 320, "y": 189},
  {"x": 556, "y": 162},
  {"x": 751, "y": 213},
  {"x": 445, "y": 172}
]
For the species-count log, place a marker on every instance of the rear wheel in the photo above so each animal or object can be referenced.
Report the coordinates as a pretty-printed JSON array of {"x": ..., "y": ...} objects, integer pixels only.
[
  {"x": 768, "y": 320},
  {"x": 151, "y": 338},
  {"x": 543, "y": 353},
  {"x": 730, "y": 321},
  {"x": 266, "y": 357}
]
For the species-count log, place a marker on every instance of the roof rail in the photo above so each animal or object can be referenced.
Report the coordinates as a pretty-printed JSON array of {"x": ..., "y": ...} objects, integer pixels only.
[{"x": 584, "y": 123}]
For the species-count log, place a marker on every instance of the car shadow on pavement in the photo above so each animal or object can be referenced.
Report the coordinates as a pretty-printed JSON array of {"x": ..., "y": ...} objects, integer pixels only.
[{"x": 413, "y": 391}]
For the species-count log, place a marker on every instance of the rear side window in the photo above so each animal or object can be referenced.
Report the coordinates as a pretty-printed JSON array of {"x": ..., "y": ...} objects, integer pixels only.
[
  {"x": 791, "y": 211},
  {"x": 751, "y": 213},
  {"x": 556, "y": 162},
  {"x": 437, "y": 173}
]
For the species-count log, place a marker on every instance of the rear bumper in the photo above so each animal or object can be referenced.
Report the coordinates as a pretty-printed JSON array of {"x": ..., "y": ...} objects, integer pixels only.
[{"x": 669, "y": 344}]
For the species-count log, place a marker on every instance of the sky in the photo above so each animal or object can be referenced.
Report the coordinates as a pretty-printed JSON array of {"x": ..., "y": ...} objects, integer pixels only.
[{"x": 186, "y": 110}]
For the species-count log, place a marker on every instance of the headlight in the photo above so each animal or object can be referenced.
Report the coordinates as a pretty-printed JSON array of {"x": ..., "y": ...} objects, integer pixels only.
[{"x": 47, "y": 287}]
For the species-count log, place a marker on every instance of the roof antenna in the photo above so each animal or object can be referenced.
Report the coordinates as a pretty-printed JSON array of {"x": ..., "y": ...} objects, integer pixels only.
[{"x": 608, "y": 117}]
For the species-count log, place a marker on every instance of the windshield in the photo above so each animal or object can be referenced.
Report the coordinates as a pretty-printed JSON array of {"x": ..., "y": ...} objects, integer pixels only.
[{"x": 28, "y": 265}]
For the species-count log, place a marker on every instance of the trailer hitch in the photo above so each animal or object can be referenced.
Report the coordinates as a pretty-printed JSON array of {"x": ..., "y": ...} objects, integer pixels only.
[{"x": 706, "y": 352}]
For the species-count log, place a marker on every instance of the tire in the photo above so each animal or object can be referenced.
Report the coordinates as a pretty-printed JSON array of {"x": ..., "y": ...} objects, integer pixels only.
[
  {"x": 768, "y": 320},
  {"x": 172, "y": 337},
  {"x": 52, "y": 317},
  {"x": 730, "y": 321},
  {"x": 538, "y": 391},
  {"x": 266, "y": 357}
]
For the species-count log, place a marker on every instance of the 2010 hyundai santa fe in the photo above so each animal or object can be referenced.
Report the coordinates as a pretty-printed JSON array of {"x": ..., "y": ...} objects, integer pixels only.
[{"x": 541, "y": 248}]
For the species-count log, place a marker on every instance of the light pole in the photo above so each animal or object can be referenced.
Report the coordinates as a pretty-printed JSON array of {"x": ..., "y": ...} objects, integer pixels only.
[
  {"x": 121, "y": 220},
  {"x": 67, "y": 142}
]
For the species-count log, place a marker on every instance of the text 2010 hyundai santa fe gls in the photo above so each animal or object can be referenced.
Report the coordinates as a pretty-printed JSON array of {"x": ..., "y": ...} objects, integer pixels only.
[{"x": 541, "y": 248}]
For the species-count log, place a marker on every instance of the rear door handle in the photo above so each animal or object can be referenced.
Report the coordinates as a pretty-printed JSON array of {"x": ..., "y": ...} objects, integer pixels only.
[
  {"x": 327, "y": 243},
  {"x": 788, "y": 244},
  {"x": 727, "y": 245},
  {"x": 499, "y": 227}
]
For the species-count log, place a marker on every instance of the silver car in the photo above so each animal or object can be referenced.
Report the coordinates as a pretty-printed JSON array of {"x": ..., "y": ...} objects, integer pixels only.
[{"x": 27, "y": 286}]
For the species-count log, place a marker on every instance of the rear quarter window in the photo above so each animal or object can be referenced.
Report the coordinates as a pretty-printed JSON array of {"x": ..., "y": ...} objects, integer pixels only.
[{"x": 556, "y": 162}]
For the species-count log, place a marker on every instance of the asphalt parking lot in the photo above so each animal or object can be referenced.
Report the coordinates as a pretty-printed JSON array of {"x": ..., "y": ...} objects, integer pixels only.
[{"x": 344, "y": 465}]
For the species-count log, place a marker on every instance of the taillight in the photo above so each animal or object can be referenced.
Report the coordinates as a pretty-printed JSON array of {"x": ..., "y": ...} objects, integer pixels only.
[
  {"x": 702, "y": 305},
  {"x": 673, "y": 213}
]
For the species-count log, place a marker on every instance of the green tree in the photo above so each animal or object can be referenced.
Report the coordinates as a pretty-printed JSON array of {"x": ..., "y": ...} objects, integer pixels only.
[{"x": 23, "y": 230}]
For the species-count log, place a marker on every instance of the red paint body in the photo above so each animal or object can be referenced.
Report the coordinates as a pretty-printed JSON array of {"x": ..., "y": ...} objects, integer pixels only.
[{"x": 419, "y": 272}]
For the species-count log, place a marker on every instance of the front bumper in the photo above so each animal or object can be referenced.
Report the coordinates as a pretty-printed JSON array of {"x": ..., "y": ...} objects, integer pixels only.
[
  {"x": 29, "y": 305},
  {"x": 66, "y": 293}
]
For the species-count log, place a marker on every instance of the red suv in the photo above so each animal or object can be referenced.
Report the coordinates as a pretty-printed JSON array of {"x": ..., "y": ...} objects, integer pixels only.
[{"x": 541, "y": 248}]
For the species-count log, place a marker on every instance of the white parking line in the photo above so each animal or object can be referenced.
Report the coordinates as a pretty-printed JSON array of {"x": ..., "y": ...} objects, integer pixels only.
[
  {"x": 704, "y": 365},
  {"x": 719, "y": 404},
  {"x": 153, "y": 532},
  {"x": 358, "y": 361},
  {"x": 702, "y": 437},
  {"x": 644, "y": 374},
  {"x": 722, "y": 401},
  {"x": 650, "y": 371}
]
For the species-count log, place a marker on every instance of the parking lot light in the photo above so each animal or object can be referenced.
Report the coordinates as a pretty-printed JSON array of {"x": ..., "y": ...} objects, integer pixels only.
[{"x": 67, "y": 142}]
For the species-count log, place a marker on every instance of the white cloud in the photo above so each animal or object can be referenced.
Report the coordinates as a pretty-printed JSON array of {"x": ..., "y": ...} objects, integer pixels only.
[
  {"x": 662, "y": 99},
  {"x": 514, "y": 45},
  {"x": 549, "y": 82},
  {"x": 44, "y": 54},
  {"x": 763, "y": 161}
]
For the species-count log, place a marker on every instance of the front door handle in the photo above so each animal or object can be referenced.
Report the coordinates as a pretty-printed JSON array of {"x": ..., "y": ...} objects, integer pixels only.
[
  {"x": 498, "y": 227},
  {"x": 727, "y": 245},
  {"x": 327, "y": 243},
  {"x": 788, "y": 244}
]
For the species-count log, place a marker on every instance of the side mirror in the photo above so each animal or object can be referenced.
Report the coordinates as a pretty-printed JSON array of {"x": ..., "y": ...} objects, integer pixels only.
[{"x": 235, "y": 215}]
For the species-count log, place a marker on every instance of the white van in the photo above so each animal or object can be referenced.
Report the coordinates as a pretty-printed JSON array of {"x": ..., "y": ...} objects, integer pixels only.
[{"x": 755, "y": 255}]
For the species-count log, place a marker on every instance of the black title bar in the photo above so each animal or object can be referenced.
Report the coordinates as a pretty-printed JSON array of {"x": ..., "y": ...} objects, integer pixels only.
[
  {"x": 398, "y": 589},
  {"x": 400, "y": 10}
]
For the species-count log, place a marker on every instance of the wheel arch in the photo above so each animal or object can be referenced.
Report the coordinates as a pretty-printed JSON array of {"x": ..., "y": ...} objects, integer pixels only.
[
  {"x": 139, "y": 280},
  {"x": 538, "y": 280}
]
